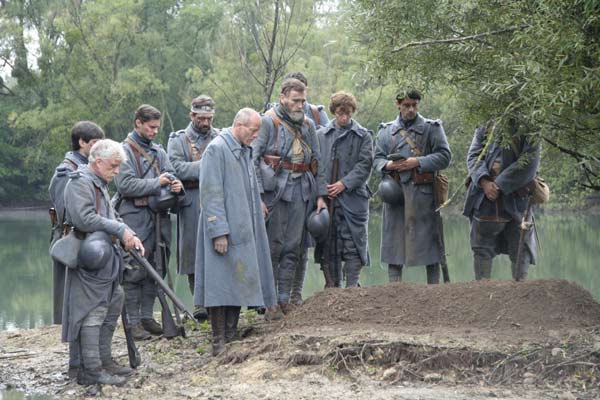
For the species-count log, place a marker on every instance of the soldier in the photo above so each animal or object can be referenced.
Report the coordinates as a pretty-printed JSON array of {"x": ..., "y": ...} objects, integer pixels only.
[
  {"x": 233, "y": 266},
  {"x": 347, "y": 154},
  {"x": 318, "y": 115},
  {"x": 185, "y": 150},
  {"x": 284, "y": 152},
  {"x": 411, "y": 149},
  {"x": 139, "y": 202},
  {"x": 497, "y": 198},
  {"x": 93, "y": 295},
  {"x": 84, "y": 135}
]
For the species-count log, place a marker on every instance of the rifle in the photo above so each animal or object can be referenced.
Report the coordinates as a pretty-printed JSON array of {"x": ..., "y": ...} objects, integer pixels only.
[
  {"x": 170, "y": 329},
  {"x": 523, "y": 227},
  {"x": 332, "y": 269},
  {"x": 441, "y": 242},
  {"x": 132, "y": 352}
]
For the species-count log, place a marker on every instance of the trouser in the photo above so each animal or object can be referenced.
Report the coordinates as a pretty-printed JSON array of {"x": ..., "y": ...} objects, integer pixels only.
[
  {"x": 285, "y": 230},
  {"x": 299, "y": 274},
  {"x": 58, "y": 290},
  {"x": 485, "y": 236},
  {"x": 191, "y": 282},
  {"x": 97, "y": 331},
  {"x": 433, "y": 273},
  {"x": 140, "y": 292}
]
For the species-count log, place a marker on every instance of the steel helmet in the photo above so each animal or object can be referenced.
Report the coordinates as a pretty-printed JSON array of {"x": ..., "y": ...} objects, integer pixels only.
[
  {"x": 96, "y": 251},
  {"x": 318, "y": 224},
  {"x": 391, "y": 191}
]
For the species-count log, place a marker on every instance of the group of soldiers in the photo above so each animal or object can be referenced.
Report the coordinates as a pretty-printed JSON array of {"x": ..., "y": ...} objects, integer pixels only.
[{"x": 250, "y": 200}]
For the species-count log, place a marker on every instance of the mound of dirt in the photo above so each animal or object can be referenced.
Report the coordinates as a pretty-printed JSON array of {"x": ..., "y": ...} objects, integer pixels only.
[{"x": 537, "y": 305}]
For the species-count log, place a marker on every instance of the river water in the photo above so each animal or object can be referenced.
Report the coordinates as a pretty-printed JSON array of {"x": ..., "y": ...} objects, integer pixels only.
[{"x": 570, "y": 250}]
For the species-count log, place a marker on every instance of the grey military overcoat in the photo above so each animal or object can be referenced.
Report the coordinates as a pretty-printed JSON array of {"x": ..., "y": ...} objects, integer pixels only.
[
  {"x": 230, "y": 205},
  {"x": 187, "y": 168},
  {"x": 354, "y": 151},
  {"x": 409, "y": 231},
  {"x": 84, "y": 289}
]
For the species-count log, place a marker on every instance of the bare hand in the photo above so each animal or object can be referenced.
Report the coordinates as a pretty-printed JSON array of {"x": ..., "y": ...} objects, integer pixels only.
[
  {"x": 335, "y": 189},
  {"x": 265, "y": 209},
  {"x": 320, "y": 204},
  {"x": 491, "y": 190},
  {"x": 164, "y": 179},
  {"x": 176, "y": 186},
  {"x": 130, "y": 241},
  {"x": 220, "y": 244},
  {"x": 408, "y": 164}
]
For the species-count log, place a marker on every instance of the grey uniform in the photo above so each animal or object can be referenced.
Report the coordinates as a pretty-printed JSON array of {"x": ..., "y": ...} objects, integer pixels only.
[
  {"x": 93, "y": 298},
  {"x": 185, "y": 149},
  {"x": 352, "y": 147},
  {"x": 230, "y": 205},
  {"x": 287, "y": 194},
  {"x": 408, "y": 230},
  {"x": 72, "y": 161},
  {"x": 495, "y": 225},
  {"x": 140, "y": 289}
]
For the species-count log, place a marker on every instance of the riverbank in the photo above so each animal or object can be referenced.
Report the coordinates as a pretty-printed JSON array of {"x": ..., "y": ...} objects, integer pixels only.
[{"x": 499, "y": 339}]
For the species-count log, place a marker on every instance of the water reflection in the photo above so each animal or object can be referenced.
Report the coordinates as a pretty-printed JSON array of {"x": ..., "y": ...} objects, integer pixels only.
[{"x": 570, "y": 250}]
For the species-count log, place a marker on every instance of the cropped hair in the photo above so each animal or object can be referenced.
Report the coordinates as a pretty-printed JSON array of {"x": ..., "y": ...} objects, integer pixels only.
[
  {"x": 410, "y": 93},
  {"x": 292, "y": 84},
  {"x": 86, "y": 130},
  {"x": 146, "y": 113},
  {"x": 297, "y": 75},
  {"x": 107, "y": 149},
  {"x": 243, "y": 116},
  {"x": 344, "y": 100}
]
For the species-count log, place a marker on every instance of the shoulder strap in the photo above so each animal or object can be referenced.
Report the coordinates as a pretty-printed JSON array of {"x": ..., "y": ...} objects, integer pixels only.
[
  {"x": 315, "y": 113},
  {"x": 138, "y": 151},
  {"x": 276, "y": 121},
  {"x": 411, "y": 143},
  {"x": 73, "y": 164},
  {"x": 98, "y": 199}
]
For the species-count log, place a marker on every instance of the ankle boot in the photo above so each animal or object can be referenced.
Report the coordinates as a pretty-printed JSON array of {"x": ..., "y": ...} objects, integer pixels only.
[
  {"x": 232, "y": 316},
  {"x": 217, "y": 322}
]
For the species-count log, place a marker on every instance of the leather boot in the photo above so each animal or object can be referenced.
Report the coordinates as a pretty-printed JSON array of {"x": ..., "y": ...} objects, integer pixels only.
[
  {"x": 232, "y": 316},
  {"x": 139, "y": 333},
  {"x": 273, "y": 314},
  {"x": 217, "y": 322},
  {"x": 98, "y": 376},
  {"x": 150, "y": 325},
  {"x": 115, "y": 368}
]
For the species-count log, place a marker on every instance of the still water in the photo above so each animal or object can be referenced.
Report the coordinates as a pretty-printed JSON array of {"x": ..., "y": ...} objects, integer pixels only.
[{"x": 570, "y": 250}]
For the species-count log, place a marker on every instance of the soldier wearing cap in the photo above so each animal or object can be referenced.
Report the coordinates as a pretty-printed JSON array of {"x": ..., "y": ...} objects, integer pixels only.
[
  {"x": 286, "y": 157},
  {"x": 84, "y": 135},
  {"x": 93, "y": 295},
  {"x": 145, "y": 177},
  {"x": 185, "y": 149},
  {"x": 420, "y": 148}
]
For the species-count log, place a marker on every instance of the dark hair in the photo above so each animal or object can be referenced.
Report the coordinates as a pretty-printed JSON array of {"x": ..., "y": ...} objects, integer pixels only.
[
  {"x": 292, "y": 84},
  {"x": 86, "y": 130},
  {"x": 297, "y": 75},
  {"x": 342, "y": 100},
  {"x": 146, "y": 113},
  {"x": 410, "y": 93}
]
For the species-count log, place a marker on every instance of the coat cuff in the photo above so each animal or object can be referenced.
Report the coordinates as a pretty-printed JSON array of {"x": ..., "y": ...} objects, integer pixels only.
[{"x": 215, "y": 228}]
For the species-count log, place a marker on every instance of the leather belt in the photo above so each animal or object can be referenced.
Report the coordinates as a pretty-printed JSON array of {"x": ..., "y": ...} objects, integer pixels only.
[
  {"x": 299, "y": 167},
  {"x": 190, "y": 184}
]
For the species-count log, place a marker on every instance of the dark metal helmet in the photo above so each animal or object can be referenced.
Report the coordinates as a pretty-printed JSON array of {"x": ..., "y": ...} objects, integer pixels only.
[
  {"x": 318, "y": 224},
  {"x": 391, "y": 191},
  {"x": 165, "y": 200},
  {"x": 96, "y": 251}
]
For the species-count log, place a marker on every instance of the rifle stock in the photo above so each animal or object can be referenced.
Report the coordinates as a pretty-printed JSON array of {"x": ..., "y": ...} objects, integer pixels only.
[{"x": 132, "y": 351}]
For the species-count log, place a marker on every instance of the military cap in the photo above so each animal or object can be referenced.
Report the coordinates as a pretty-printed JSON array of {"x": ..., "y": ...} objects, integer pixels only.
[{"x": 203, "y": 104}]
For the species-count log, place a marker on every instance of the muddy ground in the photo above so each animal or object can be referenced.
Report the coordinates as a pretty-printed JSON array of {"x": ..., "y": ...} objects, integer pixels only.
[{"x": 491, "y": 340}]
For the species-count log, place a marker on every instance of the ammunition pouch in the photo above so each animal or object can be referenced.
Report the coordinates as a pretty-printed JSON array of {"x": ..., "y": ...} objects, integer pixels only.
[
  {"x": 190, "y": 184},
  {"x": 538, "y": 190},
  {"x": 140, "y": 201},
  {"x": 423, "y": 178},
  {"x": 314, "y": 166},
  {"x": 273, "y": 161},
  {"x": 440, "y": 189}
]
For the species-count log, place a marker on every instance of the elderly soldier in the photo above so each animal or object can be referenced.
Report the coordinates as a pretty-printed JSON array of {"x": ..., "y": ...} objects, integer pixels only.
[
  {"x": 93, "y": 296},
  {"x": 84, "y": 135},
  {"x": 319, "y": 117},
  {"x": 233, "y": 266},
  {"x": 497, "y": 199},
  {"x": 411, "y": 149},
  {"x": 140, "y": 202},
  {"x": 185, "y": 150},
  {"x": 347, "y": 153},
  {"x": 286, "y": 156}
]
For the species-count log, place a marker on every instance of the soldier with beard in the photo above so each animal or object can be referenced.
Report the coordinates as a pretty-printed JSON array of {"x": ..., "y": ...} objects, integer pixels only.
[
  {"x": 286, "y": 155},
  {"x": 185, "y": 149}
]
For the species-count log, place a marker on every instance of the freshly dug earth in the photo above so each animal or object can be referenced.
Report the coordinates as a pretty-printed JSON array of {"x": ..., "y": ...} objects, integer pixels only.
[{"x": 476, "y": 340}]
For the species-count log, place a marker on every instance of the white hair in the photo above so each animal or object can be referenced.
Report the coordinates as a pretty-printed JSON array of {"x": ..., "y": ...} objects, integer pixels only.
[{"x": 107, "y": 149}]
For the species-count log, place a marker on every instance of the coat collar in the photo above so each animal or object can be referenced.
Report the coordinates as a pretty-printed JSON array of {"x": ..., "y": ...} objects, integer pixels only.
[
  {"x": 98, "y": 181},
  {"x": 354, "y": 128},
  {"x": 76, "y": 157},
  {"x": 234, "y": 145},
  {"x": 418, "y": 126}
]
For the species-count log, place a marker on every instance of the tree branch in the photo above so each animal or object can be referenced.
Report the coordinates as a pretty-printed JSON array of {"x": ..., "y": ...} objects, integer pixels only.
[{"x": 459, "y": 39}]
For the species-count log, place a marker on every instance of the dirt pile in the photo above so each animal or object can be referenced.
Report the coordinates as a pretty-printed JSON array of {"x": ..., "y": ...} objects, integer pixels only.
[{"x": 537, "y": 305}]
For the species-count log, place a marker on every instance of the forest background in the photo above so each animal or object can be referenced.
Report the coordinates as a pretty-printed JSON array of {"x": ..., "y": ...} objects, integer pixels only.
[{"x": 67, "y": 60}]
